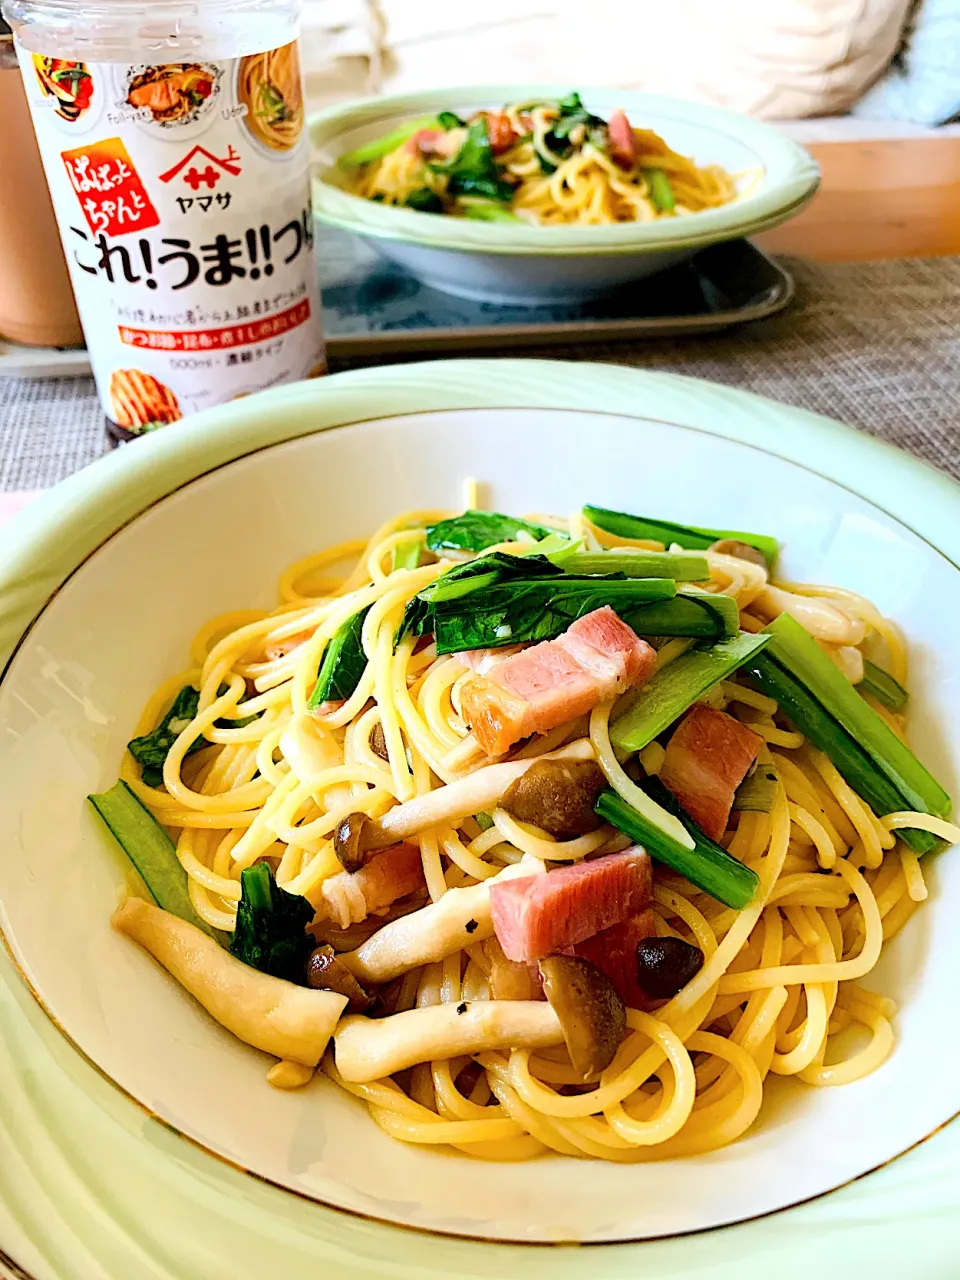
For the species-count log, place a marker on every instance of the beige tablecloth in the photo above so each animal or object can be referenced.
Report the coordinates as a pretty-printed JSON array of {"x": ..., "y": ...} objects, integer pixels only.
[{"x": 876, "y": 345}]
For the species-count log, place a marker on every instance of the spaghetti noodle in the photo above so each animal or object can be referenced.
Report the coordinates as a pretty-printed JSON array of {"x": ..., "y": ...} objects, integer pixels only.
[
  {"x": 549, "y": 163},
  {"x": 779, "y": 991}
]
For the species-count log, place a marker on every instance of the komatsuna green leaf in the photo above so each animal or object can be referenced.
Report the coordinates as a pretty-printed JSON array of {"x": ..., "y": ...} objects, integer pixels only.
[
  {"x": 572, "y": 113},
  {"x": 270, "y": 934},
  {"x": 534, "y": 610},
  {"x": 343, "y": 665},
  {"x": 477, "y": 530},
  {"x": 150, "y": 750},
  {"x": 474, "y": 171},
  {"x": 424, "y": 201},
  {"x": 485, "y": 571}
]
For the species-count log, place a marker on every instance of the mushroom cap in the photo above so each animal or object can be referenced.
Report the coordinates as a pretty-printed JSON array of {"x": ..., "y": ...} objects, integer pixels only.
[
  {"x": 558, "y": 796},
  {"x": 349, "y": 840},
  {"x": 324, "y": 972},
  {"x": 591, "y": 1014},
  {"x": 666, "y": 965}
]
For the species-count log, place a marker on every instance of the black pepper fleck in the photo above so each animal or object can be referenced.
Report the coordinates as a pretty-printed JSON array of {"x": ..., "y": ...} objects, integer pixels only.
[
  {"x": 462, "y": 1008},
  {"x": 472, "y": 926}
]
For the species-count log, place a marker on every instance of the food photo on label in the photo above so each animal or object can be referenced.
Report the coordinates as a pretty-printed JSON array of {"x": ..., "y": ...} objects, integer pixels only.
[
  {"x": 70, "y": 84},
  {"x": 173, "y": 94},
  {"x": 181, "y": 189},
  {"x": 270, "y": 86}
]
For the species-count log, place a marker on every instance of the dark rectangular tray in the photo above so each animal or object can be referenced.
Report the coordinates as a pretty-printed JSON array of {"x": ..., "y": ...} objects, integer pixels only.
[{"x": 372, "y": 307}]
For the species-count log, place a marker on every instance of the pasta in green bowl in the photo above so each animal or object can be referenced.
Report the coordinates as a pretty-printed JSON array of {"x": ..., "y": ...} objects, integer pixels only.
[
  {"x": 533, "y": 195},
  {"x": 548, "y": 163}
]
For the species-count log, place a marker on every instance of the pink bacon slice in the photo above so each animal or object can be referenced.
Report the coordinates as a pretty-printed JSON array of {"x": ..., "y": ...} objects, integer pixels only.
[
  {"x": 543, "y": 915},
  {"x": 707, "y": 758},
  {"x": 596, "y": 659}
]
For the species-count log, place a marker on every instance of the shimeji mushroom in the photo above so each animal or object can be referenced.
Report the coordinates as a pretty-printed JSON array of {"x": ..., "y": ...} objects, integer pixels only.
[
  {"x": 477, "y": 792},
  {"x": 282, "y": 1019},
  {"x": 592, "y": 1015},
  {"x": 821, "y": 617},
  {"x": 558, "y": 796},
  {"x": 370, "y": 1048},
  {"x": 460, "y": 917}
]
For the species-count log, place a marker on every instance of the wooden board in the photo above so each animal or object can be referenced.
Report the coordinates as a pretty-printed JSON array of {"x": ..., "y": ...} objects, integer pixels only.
[{"x": 893, "y": 198}]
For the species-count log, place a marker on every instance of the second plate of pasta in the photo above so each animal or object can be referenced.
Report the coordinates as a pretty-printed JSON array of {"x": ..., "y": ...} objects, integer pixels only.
[{"x": 531, "y": 193}]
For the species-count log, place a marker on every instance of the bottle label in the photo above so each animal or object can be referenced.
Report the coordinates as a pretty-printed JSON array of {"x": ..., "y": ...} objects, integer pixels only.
[{"x": 183, "y": 199}]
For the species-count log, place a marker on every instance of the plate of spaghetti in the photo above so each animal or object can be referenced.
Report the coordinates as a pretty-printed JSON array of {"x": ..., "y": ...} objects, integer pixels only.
[
  {"x": 529, "y": 195},
  {"x": 549, "y": 163},
  {"x": 423, "y": 844}
]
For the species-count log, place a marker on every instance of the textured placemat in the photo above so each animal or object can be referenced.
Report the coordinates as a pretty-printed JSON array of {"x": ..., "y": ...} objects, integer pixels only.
[{"x": 876, "y": 345}]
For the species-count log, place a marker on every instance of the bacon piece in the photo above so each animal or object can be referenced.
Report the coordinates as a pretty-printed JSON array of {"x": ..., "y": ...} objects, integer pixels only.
[
  {"x": 623, "y": 143},
  {"x": 614, "y": 951},
  {"x": 482, "y": 661},
  {"x": 500, "y": 132},
  {"x": 422, "y": 140},
  {"x": 537, "y": 916},
  {"x": 392, "y": 874},
  {"x": 280, "y": 648},
  {"x": 707, "y": 758},
  {"x": 433, "y": 143},
  {"x": 596, "y": 659}
]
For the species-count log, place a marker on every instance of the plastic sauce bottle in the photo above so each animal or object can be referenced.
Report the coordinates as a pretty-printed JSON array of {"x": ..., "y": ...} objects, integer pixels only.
[
  {"x": 174, "y": 145},
  {"x": 36, "y": 301}
]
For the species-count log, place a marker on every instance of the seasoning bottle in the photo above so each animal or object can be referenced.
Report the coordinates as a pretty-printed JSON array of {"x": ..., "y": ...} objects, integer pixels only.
[
  {"x": 36, "y": 301},
  {"x": 173, "y": 139}
]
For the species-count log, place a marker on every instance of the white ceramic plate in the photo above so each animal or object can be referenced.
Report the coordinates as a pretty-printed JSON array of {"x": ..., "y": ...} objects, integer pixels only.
[
  {"x": 121, "y": 623},
  {"x": 529, "y": 265}
]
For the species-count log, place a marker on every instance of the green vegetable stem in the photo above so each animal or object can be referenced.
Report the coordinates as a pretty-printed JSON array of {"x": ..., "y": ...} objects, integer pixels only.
[
  {"x": 682, "y": 566},
  {"x": 827, "y": 709},
  {"x": 706, "y": 865},
  {"x": 151, "y": 851},
  {"x": 661, "y": 192},
  {"x": 695, "y": 539},
  {"x": 882, "y": 686},
  {"x": 677, "y": 686},
  {"x": 382, "y": 146}
]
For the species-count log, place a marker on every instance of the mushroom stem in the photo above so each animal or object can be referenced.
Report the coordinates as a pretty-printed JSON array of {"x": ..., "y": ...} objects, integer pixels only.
[
  {"x": 460, "y": 917},
  {"x": 289, "y": 1075},
  {"x": 281, "y": 1019},
  {"x": 477, "y": 792},
  {"x": 368, "y": 1049},
  {"x": 821, "y": 617}
]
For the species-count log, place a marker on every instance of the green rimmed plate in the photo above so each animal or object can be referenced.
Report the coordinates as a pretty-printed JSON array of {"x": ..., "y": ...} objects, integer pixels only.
[
  {"x": 89, "y": 1185},
  {"x": 529, "y": 265}
]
